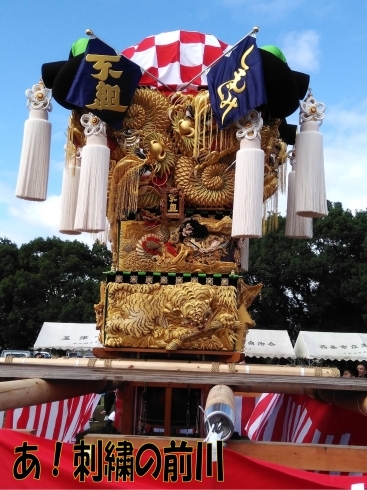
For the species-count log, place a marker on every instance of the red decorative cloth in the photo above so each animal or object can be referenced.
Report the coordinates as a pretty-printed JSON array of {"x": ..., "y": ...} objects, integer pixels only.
[
  {"x": 29, "y": 462},
  {"x": 176, "y": 57},
  {"x": 301, "y": 419}
]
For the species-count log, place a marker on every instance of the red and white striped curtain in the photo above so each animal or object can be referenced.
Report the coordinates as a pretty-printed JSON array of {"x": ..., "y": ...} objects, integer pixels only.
[
  {"x": 245, "y": 405},
  {"x": 301, "y": 419},
  {"x": 60, "y": 420}
]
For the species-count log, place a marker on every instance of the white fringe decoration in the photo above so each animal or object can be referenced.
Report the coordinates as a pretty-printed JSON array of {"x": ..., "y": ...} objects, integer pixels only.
[
  {"x": 310, "y": 192},
  {"x": 295, "y": 226},
  {"x": 35, "y": 157},
  {"x": 249, "y": 179},
  {"x": 92, "y": 197},
  {"x": 244, "y": 244},
  {"x": 69, "y": 194}
]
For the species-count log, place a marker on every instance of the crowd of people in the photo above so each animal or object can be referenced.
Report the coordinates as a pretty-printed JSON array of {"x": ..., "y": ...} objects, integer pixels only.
[{"x": 360, "y": 371}]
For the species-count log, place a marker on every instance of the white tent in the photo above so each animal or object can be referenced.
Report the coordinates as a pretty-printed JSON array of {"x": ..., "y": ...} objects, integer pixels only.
[
  {"x": 331, "y": 345},
  {"x": 268, "y": 343},
  {"x": 67, "y": 336}
]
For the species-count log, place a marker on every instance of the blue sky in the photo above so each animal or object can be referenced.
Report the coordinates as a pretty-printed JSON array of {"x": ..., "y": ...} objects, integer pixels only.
[{"x": 326, "y": 39}]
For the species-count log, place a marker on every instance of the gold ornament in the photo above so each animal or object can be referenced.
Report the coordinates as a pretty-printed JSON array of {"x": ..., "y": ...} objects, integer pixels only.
[
  {"x": 157, "y": 150},
  {"x": 148, "y": 112},
  {"x": 185, "y": 316},
  {"x": 208, "y": 188},
  {"x": 185, "y": 128},
  {"x": 160, "y": 154}
]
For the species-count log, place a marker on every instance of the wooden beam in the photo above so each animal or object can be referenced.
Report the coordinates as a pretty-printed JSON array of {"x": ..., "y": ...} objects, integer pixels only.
[
  {"x": 27, "y": 392},
  {"x": 289, "y": 389},
  {"x": 352, "y": 400},
  {"x": 172, "y": 385},
  {"x": 251, "y": 394},
  {"x": 321, "y": 457},
  {"x": 118, "y": 352},
  {"x": 239, "y": 380},
  {"x": 128, "y": 408},
  {"x": 167, "y": 411}
]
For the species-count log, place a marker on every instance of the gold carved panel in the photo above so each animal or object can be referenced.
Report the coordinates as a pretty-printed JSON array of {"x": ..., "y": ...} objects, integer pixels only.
[
  {"x": 184, "y": 316},
  {"x": 189, "y": 245}
]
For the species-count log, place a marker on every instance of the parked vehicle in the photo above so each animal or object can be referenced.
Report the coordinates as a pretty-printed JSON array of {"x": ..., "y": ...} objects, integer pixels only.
[
  {"x": 16, "y": 353},
  {"x": 89, "y": 355},
  {"x": 42, "y": 354},
  {"x": 73, "y": 353}
]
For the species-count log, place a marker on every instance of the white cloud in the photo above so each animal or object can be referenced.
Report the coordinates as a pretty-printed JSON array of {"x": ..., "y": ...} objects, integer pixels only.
[
  {"x": 58, "y": 166},
  {"x": 301, "y": 48},
  {"x": 25, "y": 220},
  {"x": 40, "y": 214},
  {"x": 345, "y": 156},
  {"x": 345, "y": 159},
  {"x": 6, "y": 194}
]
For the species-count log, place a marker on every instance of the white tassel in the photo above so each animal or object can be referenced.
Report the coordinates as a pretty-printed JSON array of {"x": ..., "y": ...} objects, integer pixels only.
[
  {"x": 92, "y": 197},
  {"x": 296, "y": 226},
  {"x": 69, "y": 195},
  {"x": 249, "y": 180},
  {"x": 310, "y": 192},
  {"x": 35, "y": 157},
  {"x": 244, "y": 244}
]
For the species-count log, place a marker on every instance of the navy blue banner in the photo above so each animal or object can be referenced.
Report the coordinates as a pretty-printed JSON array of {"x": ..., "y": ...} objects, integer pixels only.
[
  {"x": 236, "y": 83},
  {"x": 105, "y": 83}
]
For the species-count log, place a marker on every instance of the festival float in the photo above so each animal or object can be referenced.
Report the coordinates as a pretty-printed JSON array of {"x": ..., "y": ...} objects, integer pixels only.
[
  {"x": 181, "y": 168},
  {"x": 177, "y": 149}
]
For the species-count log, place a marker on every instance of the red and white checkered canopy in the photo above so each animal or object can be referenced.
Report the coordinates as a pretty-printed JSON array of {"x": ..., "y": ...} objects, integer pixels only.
[{"x": 176, "y": 57}]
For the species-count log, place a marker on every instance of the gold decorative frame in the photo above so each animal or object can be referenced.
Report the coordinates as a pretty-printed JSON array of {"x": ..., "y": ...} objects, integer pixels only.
[{"x": 173, "y": 202}]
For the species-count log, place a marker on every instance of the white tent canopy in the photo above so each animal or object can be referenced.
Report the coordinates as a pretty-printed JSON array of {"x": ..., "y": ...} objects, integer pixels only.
[
  {"x": 67, "y": 336},
  {"x": 268, "y": 343},
  {"x": 331, "y": 345}
]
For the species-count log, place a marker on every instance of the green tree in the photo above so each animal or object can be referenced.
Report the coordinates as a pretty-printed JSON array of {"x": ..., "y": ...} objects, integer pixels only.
[
  {"x": 285, "y": 268},
  {"x": 52, "y": 280},
  {"x": 340, "y": 243},
  {"x": 318, "y": 284},
  {"x": 9, "y": 260}
]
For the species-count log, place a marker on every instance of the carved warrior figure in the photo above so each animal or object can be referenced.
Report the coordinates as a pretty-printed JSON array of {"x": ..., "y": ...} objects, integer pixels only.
[{"x": 189, "y": 245}]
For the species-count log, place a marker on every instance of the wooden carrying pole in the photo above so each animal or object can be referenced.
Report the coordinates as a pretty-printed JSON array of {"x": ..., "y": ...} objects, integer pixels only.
[
  {"x": 28, "y": 392},
  {"x": 355, "y": 401},
  {"x": 179, "y": 366}
]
